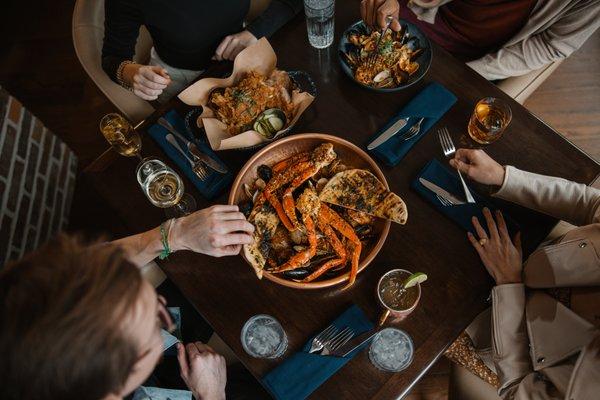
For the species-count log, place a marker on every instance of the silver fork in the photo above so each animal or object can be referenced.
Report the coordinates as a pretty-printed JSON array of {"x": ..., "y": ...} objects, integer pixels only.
[
  {"x": 198, "y": 167},
  {"x": 319, "y": 341},
  {"x": 337, "y": 341},
  {"x": 413, "y": 131},
  {"x": 373, "y": 56},
  {"x": 449, "y": 150},
  {"x": 445, "y": 202}
]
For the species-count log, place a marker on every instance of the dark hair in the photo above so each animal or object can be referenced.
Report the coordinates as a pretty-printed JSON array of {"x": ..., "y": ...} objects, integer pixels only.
[{"x": 61, "y": 329}]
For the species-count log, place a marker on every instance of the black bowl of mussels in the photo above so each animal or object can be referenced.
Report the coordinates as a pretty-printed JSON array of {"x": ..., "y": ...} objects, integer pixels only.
[{"x": 385, "y": 64}]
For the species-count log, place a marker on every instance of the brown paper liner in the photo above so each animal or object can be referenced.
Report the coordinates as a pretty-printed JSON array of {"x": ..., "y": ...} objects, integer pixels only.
[{"x": 259, "y": 57}]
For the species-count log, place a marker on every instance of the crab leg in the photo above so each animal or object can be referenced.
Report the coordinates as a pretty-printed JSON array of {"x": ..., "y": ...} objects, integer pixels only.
[
  {"x": 297, "y": 158},
  {"x": 346, "y": 230},
  {"x": 338, "y": 248},
  {"x": 304, "y": 256}
]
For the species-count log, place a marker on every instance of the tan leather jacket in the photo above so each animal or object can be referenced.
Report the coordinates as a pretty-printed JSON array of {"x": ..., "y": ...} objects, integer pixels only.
[{"x": 540, "y": 348}]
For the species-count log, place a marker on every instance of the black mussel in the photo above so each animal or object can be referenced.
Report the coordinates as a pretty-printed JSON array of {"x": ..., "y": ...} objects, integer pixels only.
[
  {"x": 416, "y": 53},
  {"x": 298, "y": 273},
  {"x": 246, "y": 208},
  {"x": 265, "y": 246},
  {"x": 265, "y": 172},
  {"x": 405, "y": 37},
  {"x": 413, "y": 44},
  {"x": 362, "y": 229},
  {"x": 401, "y": 76}
]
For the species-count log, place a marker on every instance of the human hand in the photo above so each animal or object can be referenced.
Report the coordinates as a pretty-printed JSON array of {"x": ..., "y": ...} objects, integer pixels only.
[
  {"x": 217, "y": 231},
  {"x": 478, "y": 166},
  {"x": 148, "y": 81},
  {"x": 502, "y": 257},
  {"x": 203, "y": 370},
  {"x": 374, "y": 12},
  {"x": 231, "y": 45}
]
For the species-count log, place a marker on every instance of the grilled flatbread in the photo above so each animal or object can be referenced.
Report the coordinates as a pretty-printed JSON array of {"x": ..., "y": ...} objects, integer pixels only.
[
  {"x": 265, "y": 222},
  {"x": 360, "y": 190}
]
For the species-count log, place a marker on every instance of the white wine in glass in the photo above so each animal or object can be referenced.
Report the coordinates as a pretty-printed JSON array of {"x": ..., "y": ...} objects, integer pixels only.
[
  {"x": 120, "y": 135},
  {"x": 164, "y": 188}
]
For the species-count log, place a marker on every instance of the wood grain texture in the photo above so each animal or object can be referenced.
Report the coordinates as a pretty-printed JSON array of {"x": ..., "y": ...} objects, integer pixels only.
[
  {"x": 226, "y": 291},
  {"x": 40, "y": 68}
]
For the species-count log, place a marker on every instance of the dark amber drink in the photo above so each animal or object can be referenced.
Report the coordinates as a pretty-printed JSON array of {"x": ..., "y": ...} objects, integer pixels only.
[{"x": 489, "y": 120}]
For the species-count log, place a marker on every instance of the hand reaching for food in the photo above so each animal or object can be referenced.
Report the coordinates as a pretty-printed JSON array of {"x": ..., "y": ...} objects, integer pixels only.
[
  {"x": 231, "y": 45},
  {"x": 217, "y": 231},
  {"x": 374, "y": 13},
  {"x": 478, "y": 166},
  {"x": 147, "y": 81}
]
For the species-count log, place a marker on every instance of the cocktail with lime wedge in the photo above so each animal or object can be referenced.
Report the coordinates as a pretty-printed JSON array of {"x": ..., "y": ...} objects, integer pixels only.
[{"x": 399, "y": 292}]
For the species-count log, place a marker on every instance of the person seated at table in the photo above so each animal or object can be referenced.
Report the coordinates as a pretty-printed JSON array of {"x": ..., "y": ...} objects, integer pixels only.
[
  {"x": 79, "y": 322},
  {"x": 186, "y": 35},
  {"x": 499, "y": 38},
  {"x": 540, "y": 348}
]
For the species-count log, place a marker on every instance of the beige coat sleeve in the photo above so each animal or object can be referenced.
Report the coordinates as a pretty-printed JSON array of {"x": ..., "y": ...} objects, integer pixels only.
[
  {"x": 561, "y": 39},
  {"x": 573, "y": 202},
  {"x": 509, "y": 336}
]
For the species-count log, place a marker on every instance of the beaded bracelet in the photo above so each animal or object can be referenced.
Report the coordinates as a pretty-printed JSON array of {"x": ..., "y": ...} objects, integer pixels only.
[
  {"x": 120, "y": 75},
  {"x": 164, "y": 239}
]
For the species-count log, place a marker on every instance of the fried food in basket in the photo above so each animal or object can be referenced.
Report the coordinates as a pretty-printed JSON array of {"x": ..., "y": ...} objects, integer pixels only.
[{"x": 239, "y": 106}]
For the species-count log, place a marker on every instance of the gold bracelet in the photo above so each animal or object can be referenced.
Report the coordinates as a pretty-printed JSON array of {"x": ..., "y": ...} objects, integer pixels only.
[{"x": 120, "y": 75}]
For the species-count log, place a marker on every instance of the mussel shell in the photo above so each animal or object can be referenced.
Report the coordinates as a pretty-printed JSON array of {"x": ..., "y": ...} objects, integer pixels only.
[
  {"x": 386, "y": 83},
  {"x": 246, "y": 208},
  {"x": 296, "y": 274},
  {"x": 381, "y": 76},
  {"x": 413, "y": 44},
  {"x": 264, "y": 172}
]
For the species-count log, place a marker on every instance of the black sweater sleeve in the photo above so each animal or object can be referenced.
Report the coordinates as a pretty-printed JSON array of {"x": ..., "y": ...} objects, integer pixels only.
[
  {"x": 274, "y": 17},
  {"x": 122, "y": 23}
]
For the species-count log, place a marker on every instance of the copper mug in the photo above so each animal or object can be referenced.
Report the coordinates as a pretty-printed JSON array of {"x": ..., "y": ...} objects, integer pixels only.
[{"x": 397, "y": 314}]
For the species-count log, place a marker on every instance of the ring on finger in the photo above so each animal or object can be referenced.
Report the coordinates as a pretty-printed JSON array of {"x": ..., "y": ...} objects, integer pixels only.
[{"x": 483, "y": 241}]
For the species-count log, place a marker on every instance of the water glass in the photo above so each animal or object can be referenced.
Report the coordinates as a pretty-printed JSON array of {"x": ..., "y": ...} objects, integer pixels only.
[
  {"x": 263, "y": 337},
  {"x": 319, "y": 22},
  {"x": 391, "y": 350}
]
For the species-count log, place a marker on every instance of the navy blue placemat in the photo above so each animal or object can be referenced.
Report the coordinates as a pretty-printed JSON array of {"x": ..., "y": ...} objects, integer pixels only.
[
  {"x": 448, "y": 180},
  {"x": 216, "y": 182}
]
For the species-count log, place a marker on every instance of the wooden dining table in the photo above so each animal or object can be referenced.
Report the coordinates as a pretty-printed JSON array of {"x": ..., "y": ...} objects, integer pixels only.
[{"x": 226, "y": 292}]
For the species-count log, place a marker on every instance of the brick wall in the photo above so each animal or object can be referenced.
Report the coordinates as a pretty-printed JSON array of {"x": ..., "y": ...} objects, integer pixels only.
[{"x": 37, "y": 178}]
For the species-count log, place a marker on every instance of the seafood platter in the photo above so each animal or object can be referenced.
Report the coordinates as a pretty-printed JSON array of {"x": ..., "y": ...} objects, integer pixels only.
[
  {"x": 385, "y": 63},
  {"x": 321, "y": 207}
]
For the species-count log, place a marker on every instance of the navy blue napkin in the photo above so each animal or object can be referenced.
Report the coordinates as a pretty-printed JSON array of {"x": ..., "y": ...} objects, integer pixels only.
[
  {"x": 431, "y": 103},
  {"x": 216, "y": 182},
  {"x": 302, "y": 373},
  {"x": 448, "y": 180}
]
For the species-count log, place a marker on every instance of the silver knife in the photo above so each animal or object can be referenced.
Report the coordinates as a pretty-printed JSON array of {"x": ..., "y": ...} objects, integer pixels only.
[
  {"x": 441, "y": 192},
  {"x": 206, "y": 159},
  {"x": 355, "y": 343},
  {"x": 388, "y": 133}
]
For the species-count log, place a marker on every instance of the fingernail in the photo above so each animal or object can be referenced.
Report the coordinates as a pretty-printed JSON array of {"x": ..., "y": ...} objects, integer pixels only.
[{"x": 486, "y": 209}]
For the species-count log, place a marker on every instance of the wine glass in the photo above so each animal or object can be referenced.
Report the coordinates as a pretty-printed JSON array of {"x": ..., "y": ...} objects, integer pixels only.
[
  {"x": 164, "y": 188},
  {"x": 121, "y": 136}
]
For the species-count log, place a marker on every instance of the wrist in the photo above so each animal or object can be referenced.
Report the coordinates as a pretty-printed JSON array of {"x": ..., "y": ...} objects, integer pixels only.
[
  {"x": 129, "y": 71},
  {"x": 176, "y": 235},
  {"x": 499, "y": 175}
]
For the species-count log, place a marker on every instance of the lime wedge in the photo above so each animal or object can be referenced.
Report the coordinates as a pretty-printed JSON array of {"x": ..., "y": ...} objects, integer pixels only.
[{"x": 417, "y": 277}]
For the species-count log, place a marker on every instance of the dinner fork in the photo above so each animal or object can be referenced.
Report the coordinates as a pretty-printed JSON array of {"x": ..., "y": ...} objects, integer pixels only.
[
  {"x": 337, "y": 341},
  {"x": 198, "y": 167},
  {"x": 373, "y": 56},
  {"x": 445, "y": 202},
  {"x": 449, "y": 150},
  {"x": 319, "y": 341},
  {"x": 414, "y": 130}
]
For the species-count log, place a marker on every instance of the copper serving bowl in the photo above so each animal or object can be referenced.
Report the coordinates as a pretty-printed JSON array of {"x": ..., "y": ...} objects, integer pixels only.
[{"x": 350, "y": 155}]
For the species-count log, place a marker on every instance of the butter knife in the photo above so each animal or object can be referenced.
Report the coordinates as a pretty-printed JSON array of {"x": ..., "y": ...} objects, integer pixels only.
[
  {"x": 355, "y": 343},
  {"x": 206, "y": 159},
  {"x": 388, "y": 133},
  {"x": 441, "y": 192}
]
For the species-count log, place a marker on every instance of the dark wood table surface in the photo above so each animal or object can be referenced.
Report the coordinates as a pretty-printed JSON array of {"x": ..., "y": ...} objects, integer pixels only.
[{"x": 226, "y": 292}]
